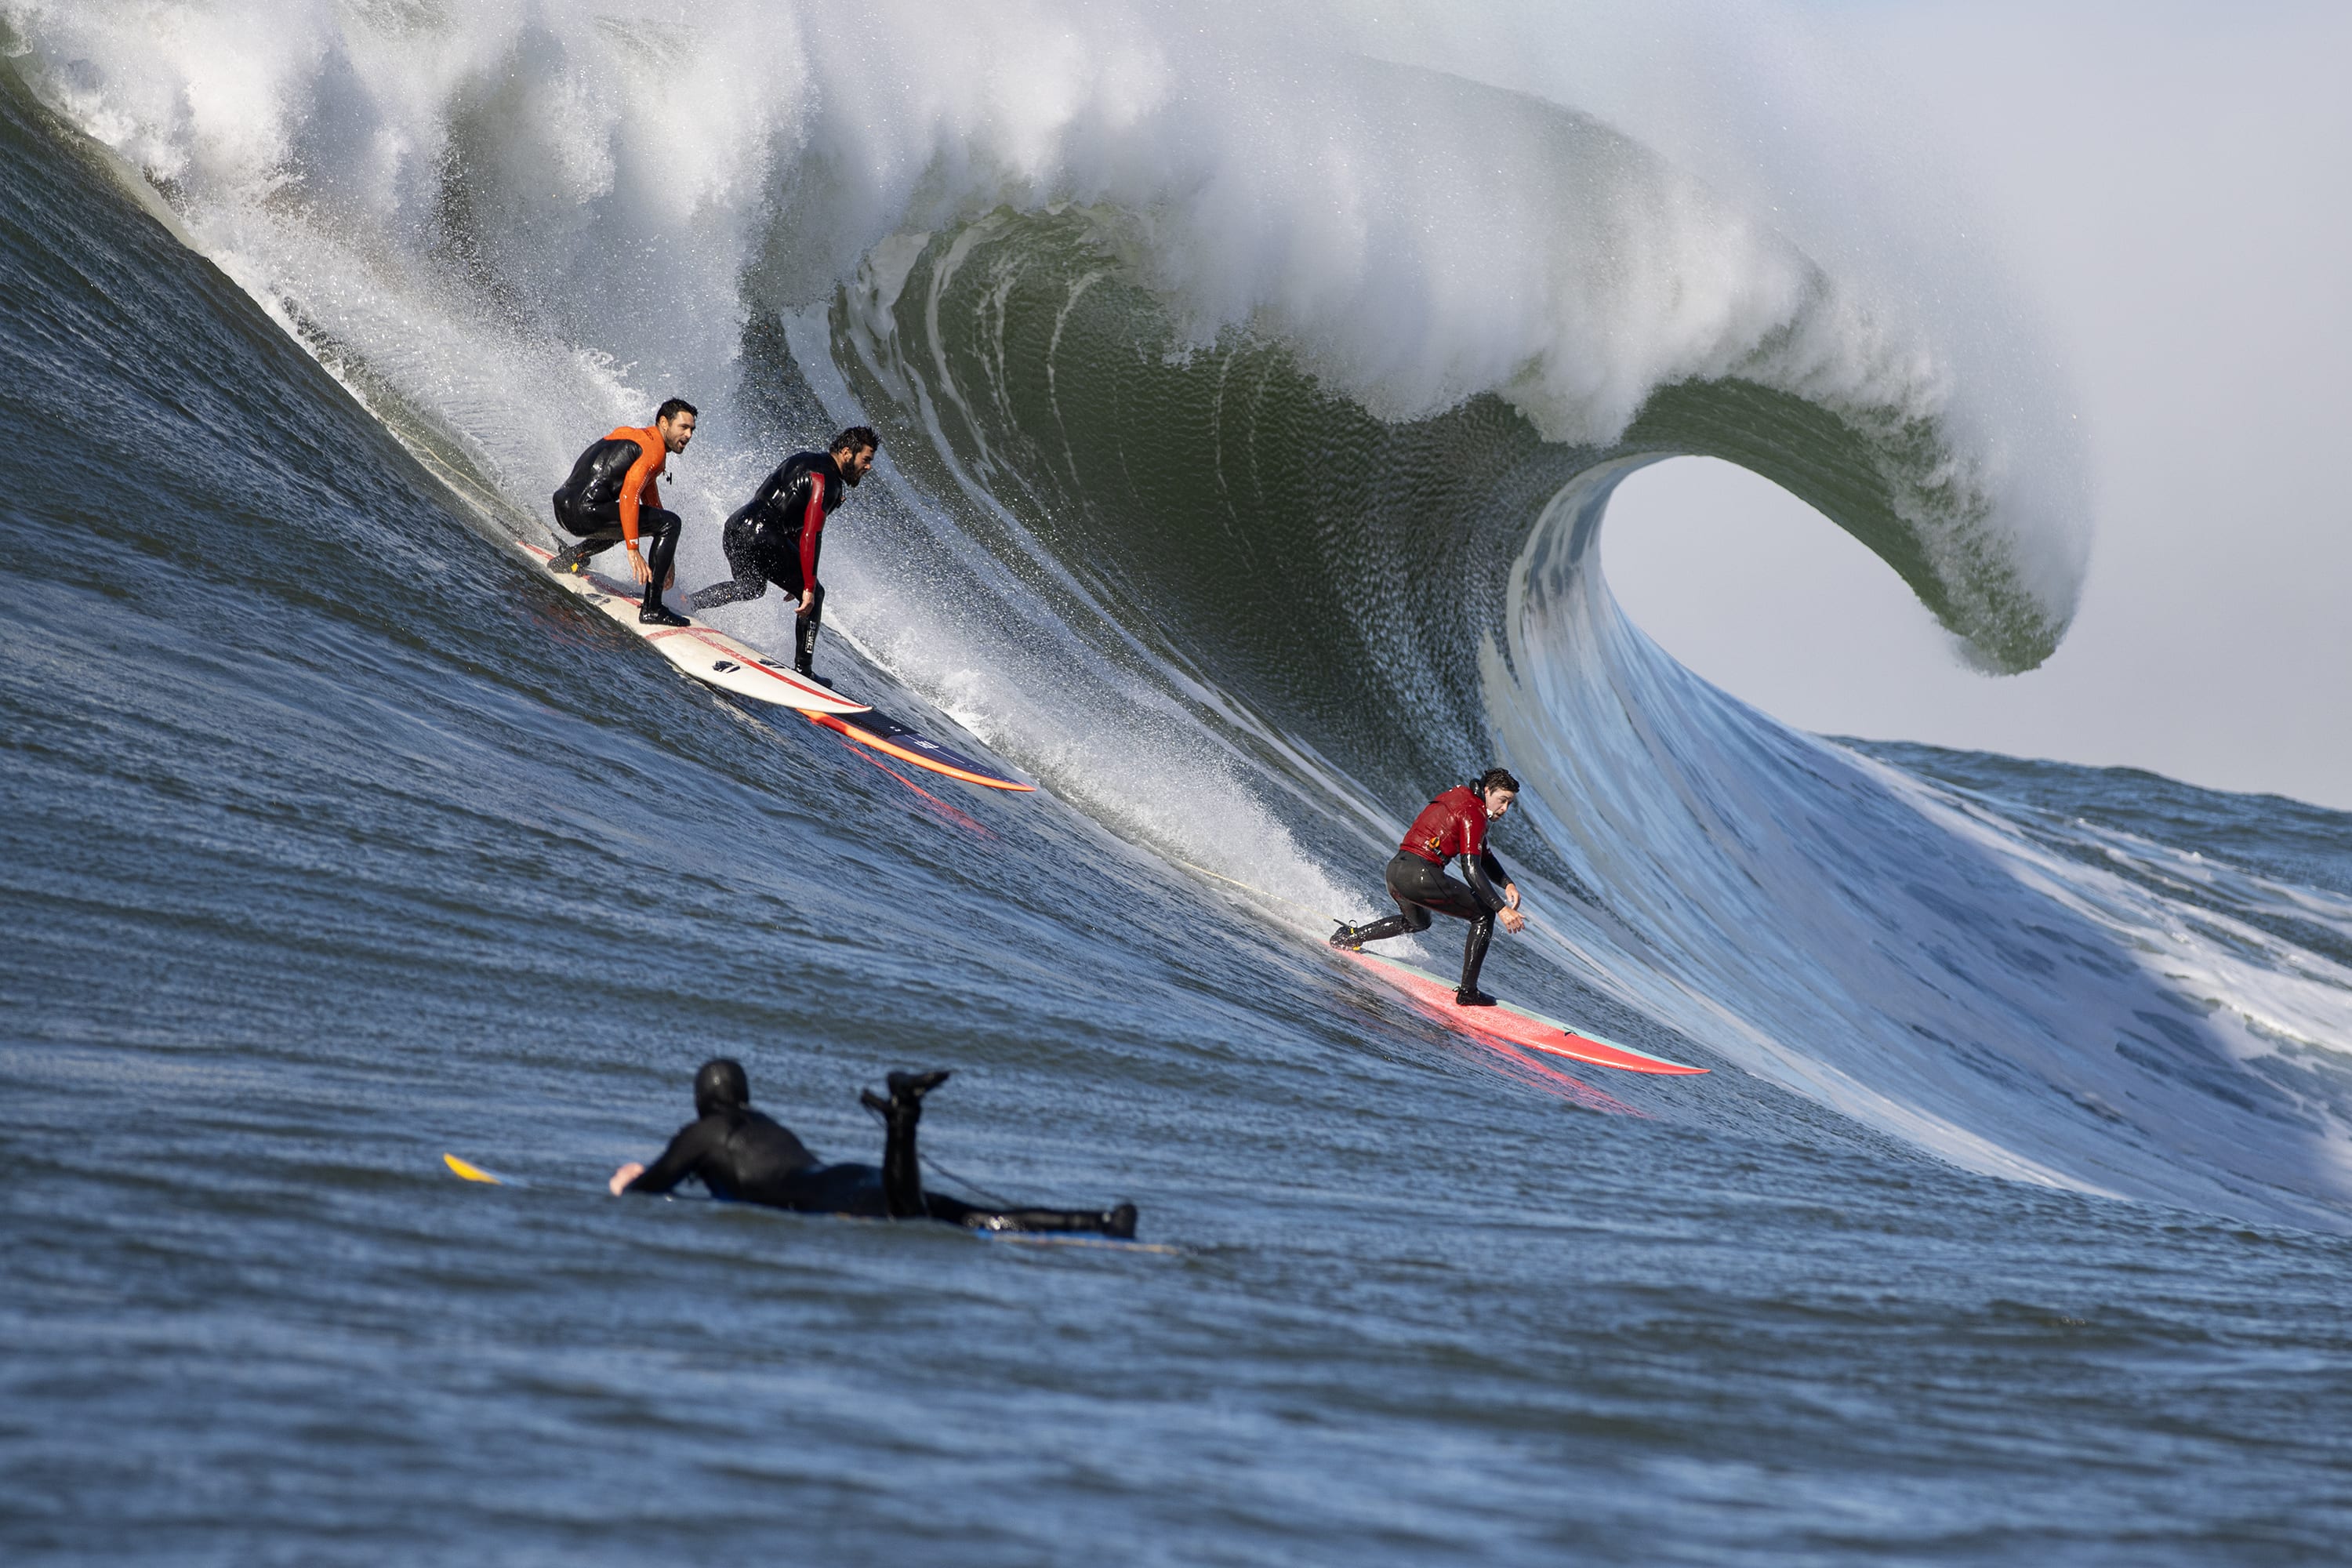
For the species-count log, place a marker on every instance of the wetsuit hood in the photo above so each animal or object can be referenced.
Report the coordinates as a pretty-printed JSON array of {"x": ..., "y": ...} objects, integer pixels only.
[{"x": 720, "y": 1086}]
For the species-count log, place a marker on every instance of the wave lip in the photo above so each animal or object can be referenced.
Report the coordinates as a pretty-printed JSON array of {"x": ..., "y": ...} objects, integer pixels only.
[{"x": 605, "y": 186}]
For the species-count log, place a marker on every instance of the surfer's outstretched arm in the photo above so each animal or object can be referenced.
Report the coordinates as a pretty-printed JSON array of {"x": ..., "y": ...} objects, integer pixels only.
[
  {"x": 1474, "y": 871},
  {"x": 680, "y": 1161},
  {"x": 1500, "y": 879},
  {"x": 1493, "y": 889}
]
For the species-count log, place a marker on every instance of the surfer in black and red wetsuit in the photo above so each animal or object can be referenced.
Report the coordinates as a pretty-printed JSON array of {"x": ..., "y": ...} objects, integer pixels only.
[
  {"x": 775, "y": 536},
  {"x": 613, "y": 496},
  {"x": 741, "y": 1155},
  {"x": 1454, "y": 825}
]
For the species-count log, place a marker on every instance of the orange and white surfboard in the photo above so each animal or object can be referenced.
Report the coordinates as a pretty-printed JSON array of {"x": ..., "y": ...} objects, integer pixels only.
[{"x": 703, "y": 652}]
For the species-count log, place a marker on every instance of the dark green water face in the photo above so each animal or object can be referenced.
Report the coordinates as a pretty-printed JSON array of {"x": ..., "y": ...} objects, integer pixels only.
[
  {"x": 1232, "y": 518},
  {"x": 329, "y": 841}
]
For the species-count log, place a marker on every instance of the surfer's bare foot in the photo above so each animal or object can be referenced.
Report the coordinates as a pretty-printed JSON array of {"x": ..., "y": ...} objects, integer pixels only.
[{"x": 1473, "y": 999}]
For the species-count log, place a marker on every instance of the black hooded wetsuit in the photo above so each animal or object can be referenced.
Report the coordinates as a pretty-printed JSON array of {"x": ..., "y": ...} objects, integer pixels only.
[
  {"x": 776, "y": 537},
  {"x": 747, "y": 1156}
]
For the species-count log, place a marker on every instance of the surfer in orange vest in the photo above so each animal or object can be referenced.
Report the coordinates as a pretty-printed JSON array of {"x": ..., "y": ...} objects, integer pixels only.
[
  {"x": 613, "y": 496},
  {"x": 748, "y": 1156},
  {"x": 1452, "y": 827}
]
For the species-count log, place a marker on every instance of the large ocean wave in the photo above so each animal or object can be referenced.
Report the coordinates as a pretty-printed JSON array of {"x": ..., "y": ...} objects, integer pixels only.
[{"x": 1250, "y": 418}]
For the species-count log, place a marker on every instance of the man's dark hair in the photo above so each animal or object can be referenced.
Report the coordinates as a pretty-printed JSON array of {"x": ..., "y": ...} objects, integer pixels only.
[
  {"x": 855, "y": 439},
  {"x": 673, "y": 408},
  {"x": 1498, "y": 778}
]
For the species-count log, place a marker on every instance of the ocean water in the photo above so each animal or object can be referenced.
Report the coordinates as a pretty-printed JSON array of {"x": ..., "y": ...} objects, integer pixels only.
[{"x": 2013, "y": 1222}]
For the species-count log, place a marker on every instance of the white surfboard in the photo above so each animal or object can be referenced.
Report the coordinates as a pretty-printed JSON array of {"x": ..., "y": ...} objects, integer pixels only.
[{"x": 704, "y": 652}]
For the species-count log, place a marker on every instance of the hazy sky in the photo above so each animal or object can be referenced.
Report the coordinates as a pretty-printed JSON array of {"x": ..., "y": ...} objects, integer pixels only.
[{"x": 2170, "y": 187}]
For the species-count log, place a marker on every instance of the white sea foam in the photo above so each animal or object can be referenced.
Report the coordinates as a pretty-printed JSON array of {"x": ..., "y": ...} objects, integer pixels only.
[{"x": 609, "y": 178}]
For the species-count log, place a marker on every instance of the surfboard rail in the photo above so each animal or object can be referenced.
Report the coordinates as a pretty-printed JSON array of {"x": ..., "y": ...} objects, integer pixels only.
[
  {"x": 1515, "y": 1025},
  {"x": 887, "y": 735},
  {"x": 710, "y": 656},
  {"x": 704, "y": 652}
]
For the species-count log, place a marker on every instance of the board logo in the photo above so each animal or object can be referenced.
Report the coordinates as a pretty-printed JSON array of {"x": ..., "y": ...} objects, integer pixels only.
[{"x": 724, "y": 665}]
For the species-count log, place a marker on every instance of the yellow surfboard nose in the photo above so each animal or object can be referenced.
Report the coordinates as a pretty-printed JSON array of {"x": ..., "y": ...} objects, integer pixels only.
[{"x": 469, "y": 1172}]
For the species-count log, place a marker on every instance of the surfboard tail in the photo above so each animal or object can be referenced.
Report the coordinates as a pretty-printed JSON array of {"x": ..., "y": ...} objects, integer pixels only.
[{"x": 891, "y": 738}]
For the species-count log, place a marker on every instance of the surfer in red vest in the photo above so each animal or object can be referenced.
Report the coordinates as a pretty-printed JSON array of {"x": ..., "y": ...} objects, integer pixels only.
[
  {"x": 1452, "y": 827},
  {"x": 748, "y": 1156},
  {"x": 613, "y": 496},
  {"x": 775, "y": 536}
]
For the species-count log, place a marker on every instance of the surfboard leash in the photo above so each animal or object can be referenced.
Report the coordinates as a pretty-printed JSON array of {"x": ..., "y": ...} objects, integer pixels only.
[{"x": 999, "y": 1199}]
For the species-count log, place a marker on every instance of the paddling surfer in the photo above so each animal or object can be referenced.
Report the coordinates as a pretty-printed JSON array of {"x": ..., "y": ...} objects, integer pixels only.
[
  {"x": 1454, "y": 825},
  {"x": 613, "y": 496},
  {"x": 745, "y": 1155},
  {"x": 776, "y": 535}
]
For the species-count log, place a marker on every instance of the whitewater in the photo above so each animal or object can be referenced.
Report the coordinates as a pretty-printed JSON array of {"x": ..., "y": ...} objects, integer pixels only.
[{"x": 1254, "y": 382}]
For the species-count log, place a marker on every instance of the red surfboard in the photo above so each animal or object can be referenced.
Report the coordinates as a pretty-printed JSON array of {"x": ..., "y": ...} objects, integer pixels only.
[{"x": 1515, "y": 1025}]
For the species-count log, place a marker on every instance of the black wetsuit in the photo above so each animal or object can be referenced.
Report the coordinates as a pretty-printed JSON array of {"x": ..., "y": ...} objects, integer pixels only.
[
  {"x": 745, "y": 1155},
  {"x": 776, "y": 537},
  {"x": 589, "y": 504}
]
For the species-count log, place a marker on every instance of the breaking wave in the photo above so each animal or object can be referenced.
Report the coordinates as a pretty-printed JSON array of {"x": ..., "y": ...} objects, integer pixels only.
[{"x": 1251, "y": 416}]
